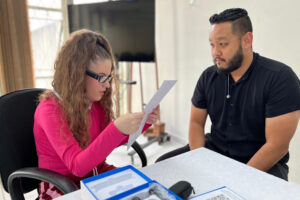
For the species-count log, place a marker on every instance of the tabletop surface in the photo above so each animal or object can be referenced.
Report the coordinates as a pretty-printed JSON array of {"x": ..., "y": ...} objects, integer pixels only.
[{"x": 207, "y": 170}]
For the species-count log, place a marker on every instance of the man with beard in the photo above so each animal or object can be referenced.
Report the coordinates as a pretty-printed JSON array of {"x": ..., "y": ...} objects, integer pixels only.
[{"x": 253, "y": 102}]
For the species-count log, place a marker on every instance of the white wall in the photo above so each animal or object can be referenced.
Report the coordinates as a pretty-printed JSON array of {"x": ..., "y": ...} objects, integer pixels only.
[{"x": 183, "y": 50}]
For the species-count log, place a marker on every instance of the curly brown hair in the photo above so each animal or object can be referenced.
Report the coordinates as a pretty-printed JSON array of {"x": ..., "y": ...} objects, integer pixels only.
[{"x": 77, "y": 52}]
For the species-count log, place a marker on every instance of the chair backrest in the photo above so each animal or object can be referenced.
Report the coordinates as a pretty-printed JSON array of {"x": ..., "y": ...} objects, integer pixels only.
[{"x": 17, "y": 145}]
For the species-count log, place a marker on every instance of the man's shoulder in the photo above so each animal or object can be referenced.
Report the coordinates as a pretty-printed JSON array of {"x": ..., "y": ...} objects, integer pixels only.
[
  {"x": 271, "y": 65},
  {"x": 210, "y": 71},
  {"x": 209, "y": 75}
]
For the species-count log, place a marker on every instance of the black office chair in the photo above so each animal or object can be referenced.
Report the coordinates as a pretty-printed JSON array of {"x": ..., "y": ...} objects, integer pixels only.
[
  {"x": 173, "y": 153},
  {"x": 181, "y": 150},
  {"x": 18, "y": 161}
]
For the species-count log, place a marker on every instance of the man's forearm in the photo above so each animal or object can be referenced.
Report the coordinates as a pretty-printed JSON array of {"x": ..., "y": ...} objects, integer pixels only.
[
  {"x": 267, "y": 156},
  {"x": 196, "y": 136}
]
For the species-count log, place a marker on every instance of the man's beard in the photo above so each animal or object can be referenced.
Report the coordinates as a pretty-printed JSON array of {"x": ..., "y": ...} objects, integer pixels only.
[{"x": 234, "y": 63}]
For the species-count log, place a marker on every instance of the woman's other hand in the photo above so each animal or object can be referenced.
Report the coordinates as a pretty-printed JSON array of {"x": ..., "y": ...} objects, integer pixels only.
[{"x": 153, "y": 116}]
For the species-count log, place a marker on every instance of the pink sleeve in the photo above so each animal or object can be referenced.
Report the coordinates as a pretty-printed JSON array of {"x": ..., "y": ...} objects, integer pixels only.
[
  {"x": 78, "y": 161},
  {"x": 146, "y": 127}
]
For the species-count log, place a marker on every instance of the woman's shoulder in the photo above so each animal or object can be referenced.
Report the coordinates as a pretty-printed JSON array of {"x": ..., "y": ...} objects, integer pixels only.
[
  {"x": 48, "y": 105},
  {"x": 50, "y": 101}
]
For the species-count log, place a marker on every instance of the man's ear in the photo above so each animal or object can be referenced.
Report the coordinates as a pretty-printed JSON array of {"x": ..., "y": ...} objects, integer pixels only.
[{"x": 247, "y": 40}]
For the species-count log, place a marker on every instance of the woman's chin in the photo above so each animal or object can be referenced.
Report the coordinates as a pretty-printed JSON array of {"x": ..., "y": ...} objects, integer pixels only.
[{"x": 98, "y": 98}]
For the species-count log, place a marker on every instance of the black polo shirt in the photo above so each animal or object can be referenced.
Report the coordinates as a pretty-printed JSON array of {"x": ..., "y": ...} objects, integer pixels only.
[{"x": 268, "y": 89}]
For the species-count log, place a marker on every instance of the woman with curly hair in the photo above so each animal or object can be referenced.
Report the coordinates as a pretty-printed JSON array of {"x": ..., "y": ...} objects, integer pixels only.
[{"x": 74, "y": 124}]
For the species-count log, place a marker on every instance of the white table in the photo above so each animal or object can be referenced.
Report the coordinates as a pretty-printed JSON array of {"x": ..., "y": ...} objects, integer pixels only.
[{"x": 207, "y": 170}]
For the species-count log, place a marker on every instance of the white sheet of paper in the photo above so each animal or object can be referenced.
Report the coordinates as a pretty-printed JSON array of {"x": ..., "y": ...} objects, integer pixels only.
[
  {"x": 220, "y": 193},
  {"x": 158, "y": 96}
]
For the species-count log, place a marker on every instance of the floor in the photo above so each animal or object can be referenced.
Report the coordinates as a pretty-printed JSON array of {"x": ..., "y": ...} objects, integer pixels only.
[{"x": 119, "y": 157}]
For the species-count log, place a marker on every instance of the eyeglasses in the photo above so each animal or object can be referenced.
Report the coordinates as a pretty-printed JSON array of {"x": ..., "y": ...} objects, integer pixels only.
[{"x": 99, "y": 78}]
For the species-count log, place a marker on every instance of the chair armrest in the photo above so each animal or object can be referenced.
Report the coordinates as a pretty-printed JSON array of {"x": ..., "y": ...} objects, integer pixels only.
[
  {"x": 63, "y": 183},
  {"x": 173, "y": 153},
  {"x": 140, "y": 152}
]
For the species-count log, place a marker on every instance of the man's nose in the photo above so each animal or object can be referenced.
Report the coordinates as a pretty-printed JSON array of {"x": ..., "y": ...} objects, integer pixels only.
[{"x": 217, "y": 52}]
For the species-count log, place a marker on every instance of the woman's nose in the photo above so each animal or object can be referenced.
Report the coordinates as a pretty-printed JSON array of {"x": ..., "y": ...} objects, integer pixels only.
[{"x": 107, "y": 84}]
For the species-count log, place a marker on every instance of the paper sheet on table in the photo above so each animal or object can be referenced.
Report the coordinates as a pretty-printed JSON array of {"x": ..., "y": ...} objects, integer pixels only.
[
  {"x": 220, "y": 193},
  {"x": 158, "y": 96}
]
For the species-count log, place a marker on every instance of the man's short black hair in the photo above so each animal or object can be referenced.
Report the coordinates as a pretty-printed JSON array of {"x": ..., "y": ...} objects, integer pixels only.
[{"x": 241, "y": 22}]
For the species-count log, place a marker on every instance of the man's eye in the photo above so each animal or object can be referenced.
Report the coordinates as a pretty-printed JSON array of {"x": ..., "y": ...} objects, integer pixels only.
[{"x": 223, "y": 44}]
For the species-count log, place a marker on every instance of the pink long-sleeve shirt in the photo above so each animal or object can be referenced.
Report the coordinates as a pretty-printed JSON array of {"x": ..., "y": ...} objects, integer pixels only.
[{"x": 58, "y": 150}]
